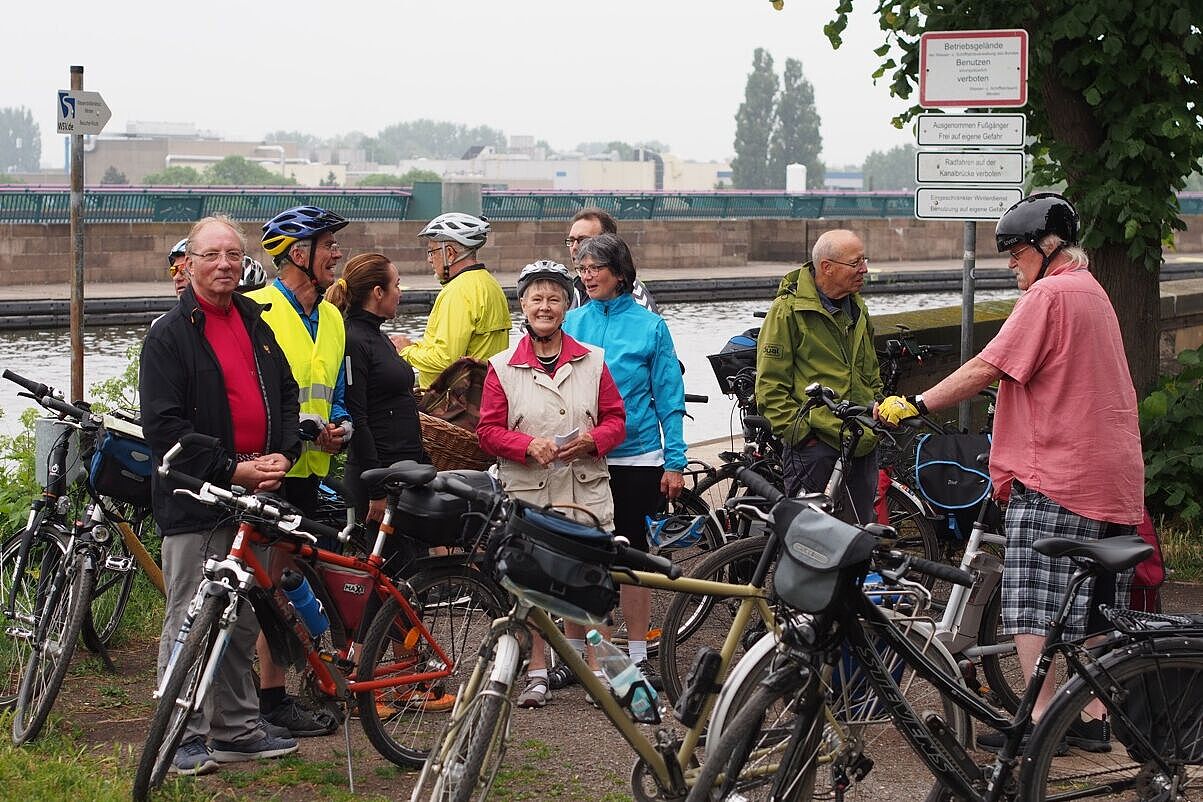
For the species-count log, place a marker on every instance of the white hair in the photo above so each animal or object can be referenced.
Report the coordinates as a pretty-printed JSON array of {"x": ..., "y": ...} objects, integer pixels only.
[{"x": 1077, "y": 257}]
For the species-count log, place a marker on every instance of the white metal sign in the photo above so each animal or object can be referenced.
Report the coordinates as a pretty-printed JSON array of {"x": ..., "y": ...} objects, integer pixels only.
[
  {"x": 971, "y": 130},
  {"x": 969, "y": 166},
  {"x": 965, "y": 203},
  {"x": 81, "y": 112},
  {"x": 973, "y": 68}
]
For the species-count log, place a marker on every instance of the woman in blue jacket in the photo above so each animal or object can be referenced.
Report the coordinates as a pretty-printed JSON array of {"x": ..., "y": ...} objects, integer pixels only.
[{"x": 646, "y": 467}]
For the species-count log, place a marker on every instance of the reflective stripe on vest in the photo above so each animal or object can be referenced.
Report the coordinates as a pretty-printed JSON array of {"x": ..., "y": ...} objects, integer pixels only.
[{"x": 315, "y": 364}]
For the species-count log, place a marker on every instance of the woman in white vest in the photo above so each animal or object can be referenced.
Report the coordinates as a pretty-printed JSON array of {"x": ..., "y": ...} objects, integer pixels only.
[{"x": 550, "y": 412}]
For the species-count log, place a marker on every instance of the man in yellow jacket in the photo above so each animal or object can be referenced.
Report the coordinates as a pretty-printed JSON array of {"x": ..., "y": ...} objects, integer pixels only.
[
  {"x": 471, "y": 316},
  {"x": 310, "y": 331}
]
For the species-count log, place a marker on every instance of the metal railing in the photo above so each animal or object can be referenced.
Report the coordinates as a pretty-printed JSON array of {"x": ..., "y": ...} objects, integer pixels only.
[{"x": 561, "y": 205}]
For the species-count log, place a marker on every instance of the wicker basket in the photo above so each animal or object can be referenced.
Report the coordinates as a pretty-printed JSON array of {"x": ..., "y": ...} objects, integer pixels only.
[{"x": 451, "y": 447}]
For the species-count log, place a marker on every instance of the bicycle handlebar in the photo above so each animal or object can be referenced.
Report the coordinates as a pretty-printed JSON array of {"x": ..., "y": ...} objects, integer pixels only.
[
  {"x": 449, "y": 484},
  {"x": 692, "y": 398},
  {"x": 44, "y": 395},
  {"x": 636, "y": 560},
  {"x": 759, "y": 486},
  {"x": 949, "y": 573}
]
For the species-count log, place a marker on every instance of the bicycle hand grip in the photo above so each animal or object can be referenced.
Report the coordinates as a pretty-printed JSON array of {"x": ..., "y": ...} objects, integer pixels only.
[
  {"x": 318, "y": 529},
  {"x": 200, "y": 441},
  {"x": 693, "y": 398},
  {"x": 949, "y": 573},
  {"x": 759, "y": 486},
  {"x": 39, "y": 390},
  {"x": 449, "y": 484},
  {"x": 70, "y": 410},
  {"x": 642, "y": 561}
]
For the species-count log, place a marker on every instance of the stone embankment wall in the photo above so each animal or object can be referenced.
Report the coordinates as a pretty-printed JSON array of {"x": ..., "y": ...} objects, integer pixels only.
[{"x": 41, "y": 254}]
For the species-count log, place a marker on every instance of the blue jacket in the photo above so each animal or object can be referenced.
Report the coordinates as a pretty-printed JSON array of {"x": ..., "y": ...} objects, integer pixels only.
[{"x": 641, "y": 358}]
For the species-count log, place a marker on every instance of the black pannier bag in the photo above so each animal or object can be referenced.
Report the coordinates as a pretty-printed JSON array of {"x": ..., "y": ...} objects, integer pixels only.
[
  {"x": 821, "y": 557},
  {"x": 558, "y": 564},
  {"x": 948, "y": 476},
  {"x": 737, "y": 354},
  {"x": 121, "y": 464},
  {"x": 1166, "y": 708},
  {"x": 443, "y": 519}
]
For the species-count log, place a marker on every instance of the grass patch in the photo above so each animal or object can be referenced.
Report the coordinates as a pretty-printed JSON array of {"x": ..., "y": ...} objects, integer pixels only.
[
  {"x": 1182, "y": 548},
  {"x": 540, "y": 774}
]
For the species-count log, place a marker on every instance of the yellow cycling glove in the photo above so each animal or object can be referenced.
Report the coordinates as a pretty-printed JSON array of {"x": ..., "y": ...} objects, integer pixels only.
[{"x": 895, "y": 409}]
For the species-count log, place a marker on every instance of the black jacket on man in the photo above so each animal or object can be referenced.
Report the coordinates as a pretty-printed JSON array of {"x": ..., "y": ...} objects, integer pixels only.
[{"x": 182, "y": 390}]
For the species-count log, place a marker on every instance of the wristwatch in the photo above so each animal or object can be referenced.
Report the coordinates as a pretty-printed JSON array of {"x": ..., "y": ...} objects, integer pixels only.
[{"x": 917, "y": 400}]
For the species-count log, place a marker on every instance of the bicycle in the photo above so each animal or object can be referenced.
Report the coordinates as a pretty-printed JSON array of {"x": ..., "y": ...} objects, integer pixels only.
[
  {"x": 1144, "y": 653},
  {"x": 390, "y": 666},
  {"x": 61, "y": 575}
]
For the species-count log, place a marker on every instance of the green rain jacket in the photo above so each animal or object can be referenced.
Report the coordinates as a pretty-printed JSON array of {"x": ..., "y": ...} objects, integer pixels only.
[{"x": 801, "y": 342}]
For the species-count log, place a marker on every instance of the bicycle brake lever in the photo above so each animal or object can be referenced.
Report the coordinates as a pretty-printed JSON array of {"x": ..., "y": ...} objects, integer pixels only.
[{"x": 291, "y": 524}]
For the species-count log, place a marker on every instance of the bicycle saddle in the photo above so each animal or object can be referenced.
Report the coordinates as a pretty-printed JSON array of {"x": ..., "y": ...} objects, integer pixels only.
[
  {"x": 1113, "y": 553},
  {"x": 407, "y": 471}
]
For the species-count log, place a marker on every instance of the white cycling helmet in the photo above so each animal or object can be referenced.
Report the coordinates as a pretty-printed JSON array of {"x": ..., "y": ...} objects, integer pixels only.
[
  {"x": 177, "y": 250},
  {"x": 253, "y": 275},
  {"x": 545, "y": 269},
  {"x": 463, "y": 229}
]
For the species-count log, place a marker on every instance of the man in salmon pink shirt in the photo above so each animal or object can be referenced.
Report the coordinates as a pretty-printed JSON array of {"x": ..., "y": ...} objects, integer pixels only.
[{"x": 1066, "y": 448}]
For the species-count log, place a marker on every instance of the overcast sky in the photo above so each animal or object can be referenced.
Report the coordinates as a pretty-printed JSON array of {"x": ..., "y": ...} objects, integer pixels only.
[{"x": 560, "y": 70}]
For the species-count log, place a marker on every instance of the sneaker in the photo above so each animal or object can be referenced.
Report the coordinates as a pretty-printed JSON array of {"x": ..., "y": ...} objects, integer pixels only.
[
  {"x": 1090, "y": 736},
  {"x": 650, "y": 674},
  {"x": 993, "y": 741},
  {"x": 431, "y": 701},
  {"x": 561, "y": 676},
  {"x": 536, "y": 694},
  {"x": 272, "y": 729},
  {"x": 301, "y": 722},
  {"x": 255, "y": 749},
  {"x": 193, "y": 757}
]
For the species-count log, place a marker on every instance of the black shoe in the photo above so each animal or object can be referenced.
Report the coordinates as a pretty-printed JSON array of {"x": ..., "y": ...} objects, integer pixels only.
[
  {"x": 650, "y": 674},
  {"x": 993, "y": 741},
  {"x": 300, "y": 721},
  {"x": 561, "y": 676},
  {"x": 1090, "y": 736}
]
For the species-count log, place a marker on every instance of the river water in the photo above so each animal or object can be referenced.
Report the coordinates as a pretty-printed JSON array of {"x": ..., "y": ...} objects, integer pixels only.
[{"x": 698, "y": 329}]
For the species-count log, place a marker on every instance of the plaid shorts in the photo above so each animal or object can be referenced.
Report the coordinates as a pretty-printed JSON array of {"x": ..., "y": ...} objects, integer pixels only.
[{"x": 1032, "y": 583}]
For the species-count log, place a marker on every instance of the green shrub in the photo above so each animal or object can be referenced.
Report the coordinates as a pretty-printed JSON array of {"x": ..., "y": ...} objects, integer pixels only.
[{"x": 1171, "y": 427}]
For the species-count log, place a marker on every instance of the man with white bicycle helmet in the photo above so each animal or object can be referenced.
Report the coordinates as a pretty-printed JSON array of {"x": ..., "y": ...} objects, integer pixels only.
[
  {"x": 311, "y": 333},
  {"x": 177, "y": 265},
  {"x": 1059, "y": 350},
  {"x": 471, "y": 316}
]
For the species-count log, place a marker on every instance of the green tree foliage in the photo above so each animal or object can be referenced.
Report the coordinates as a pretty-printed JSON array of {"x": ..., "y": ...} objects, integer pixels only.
[
  {"x": 113, "y": 176},
  {"x": 239, "y": 172},
  {"x": 173, "y": 176},
  {"x": 1114, "y": 106},
  {"x": 405, "y": 180},
  {"x": 1171, "y": 433},
  {"x": 428, "y": 139},
  {"x": 754, "y": 124},
  {"x": 20, "y": 140},
  {"x": 796, "y": 138},
  {"x": 890, "y": 169}
]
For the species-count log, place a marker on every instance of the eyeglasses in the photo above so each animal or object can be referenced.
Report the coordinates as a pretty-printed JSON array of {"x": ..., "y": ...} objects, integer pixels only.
[
  {"x": 212, "y": 257},
  {"x": 175, "y": 269},
  {"x": 432, "y": 251},
  {"x": 1018, "y": 253},
  {"x": 570, "y": 241},
  {"x": 332, "y": 246},
  {"x": 855, "y": 264},
  {"x": 593, "y": 270}
]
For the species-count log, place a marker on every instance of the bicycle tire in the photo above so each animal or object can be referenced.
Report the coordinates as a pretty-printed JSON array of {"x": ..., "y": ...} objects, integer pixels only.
[
  {"x": 916, "y": 532},
  {"x": 1169, "y": 674},
  {"x": 475, "y": 736},
  {"x": 59, "y": 624},
  {"x": 1003, "y": 674},
  {"x": 45, "y": 553},
  {"x": 178, "y": 702},
  {"x": 691, "y": 622},
  {"x": 457, "y": 606},
  {"x": 114, "y": 582}
]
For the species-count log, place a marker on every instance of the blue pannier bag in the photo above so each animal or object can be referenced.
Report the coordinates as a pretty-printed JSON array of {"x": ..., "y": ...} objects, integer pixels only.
[{"x": 121, "y": 468}]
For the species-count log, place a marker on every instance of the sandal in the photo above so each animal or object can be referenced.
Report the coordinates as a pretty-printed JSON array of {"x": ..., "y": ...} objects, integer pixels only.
[
  {"x": 561, "y": 676},
  {"x": 536, "y": 694}
]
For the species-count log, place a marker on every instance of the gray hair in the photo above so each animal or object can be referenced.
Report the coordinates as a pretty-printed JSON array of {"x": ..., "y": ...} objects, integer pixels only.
[
  {"x": 1076, "y": 255},
  {"x": 612, "y": 251},
  {"x": 543, "y": 283}
]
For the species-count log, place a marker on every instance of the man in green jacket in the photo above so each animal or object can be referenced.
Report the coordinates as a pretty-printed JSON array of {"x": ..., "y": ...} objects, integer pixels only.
[{"x": 818, "y": 330}]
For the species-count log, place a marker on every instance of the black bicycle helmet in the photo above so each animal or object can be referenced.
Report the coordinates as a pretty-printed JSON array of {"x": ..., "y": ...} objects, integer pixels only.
[{"x": 1034, "y": 218}]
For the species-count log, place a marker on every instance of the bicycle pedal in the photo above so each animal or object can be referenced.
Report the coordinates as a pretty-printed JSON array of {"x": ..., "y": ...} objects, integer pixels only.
[
  {"x": 861, "y": 767},
  {"x": 120, "y": 564},
  {"x": 20, "y": 633}
]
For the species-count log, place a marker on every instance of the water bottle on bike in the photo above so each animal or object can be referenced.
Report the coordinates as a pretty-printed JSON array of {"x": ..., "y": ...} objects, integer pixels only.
[{"x": 626, "y": 681}]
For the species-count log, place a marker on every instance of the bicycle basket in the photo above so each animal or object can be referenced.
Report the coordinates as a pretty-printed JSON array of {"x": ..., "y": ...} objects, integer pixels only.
[
  {"x": 555, "y": 563},
  {"x": 121, "y": 464},
  {"x": 442, "y": 519},
  {"x": 822, "y": 556},
  {"x": 737, "y": 354},
  {"x": 947, "y": 472}
]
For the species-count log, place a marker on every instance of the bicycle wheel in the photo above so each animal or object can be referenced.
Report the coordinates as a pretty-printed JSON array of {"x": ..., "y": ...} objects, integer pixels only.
[
  {"x": 457, "y": 605},
  {"x": 46, "y": 552},
  {"x": 59, "y": 621},
  {"x": 1001, "y": 670},
  {"x": 114, "y": 582},
  {"x": 723, "y": 485},
  {"x": 472, "y": 744},
  {"x": 916, "y": 532},
  {"x": 692, "y": 622},
  {"x": 179, "y": 700},
  {"x": 1160, "y": 696}
]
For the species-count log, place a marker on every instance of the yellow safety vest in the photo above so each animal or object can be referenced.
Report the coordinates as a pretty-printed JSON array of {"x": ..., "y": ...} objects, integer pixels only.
[{"x": 314, "y": 363}]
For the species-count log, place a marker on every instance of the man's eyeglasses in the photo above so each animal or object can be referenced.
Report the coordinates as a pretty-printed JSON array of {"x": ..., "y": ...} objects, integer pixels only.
[
  {"x": 570, "y": 241},
  {"x": 592, "y": 270},
  {"x": 1016, "y": 254},
  {"x": 332, "y": 246},
  {"x": 175, "y": 270},
  {"x": 212, "y": 257},
  {"x": 856, "y": 264}
]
